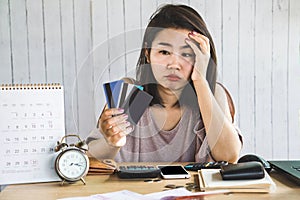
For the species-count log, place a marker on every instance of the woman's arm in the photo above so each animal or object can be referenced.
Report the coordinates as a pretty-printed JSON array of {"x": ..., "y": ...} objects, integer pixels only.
[
  {"x": 221, "y": 134},
  {"x": 112, "y": 129},
  {"x": 100, "y": 149}
]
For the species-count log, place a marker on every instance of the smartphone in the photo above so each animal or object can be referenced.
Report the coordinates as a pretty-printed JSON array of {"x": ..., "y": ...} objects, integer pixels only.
[{"x": 173, "y": 171}]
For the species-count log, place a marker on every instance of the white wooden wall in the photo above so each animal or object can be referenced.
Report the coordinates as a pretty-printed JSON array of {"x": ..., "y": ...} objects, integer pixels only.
[{"x": 82, "y": 43}]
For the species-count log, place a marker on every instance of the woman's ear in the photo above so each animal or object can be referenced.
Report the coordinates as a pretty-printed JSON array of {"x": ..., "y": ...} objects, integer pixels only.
[{"x": 147, "y": 53}]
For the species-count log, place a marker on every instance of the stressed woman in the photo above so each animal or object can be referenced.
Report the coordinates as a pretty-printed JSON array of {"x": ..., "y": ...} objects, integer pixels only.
[{"x": 191, "y": 117}]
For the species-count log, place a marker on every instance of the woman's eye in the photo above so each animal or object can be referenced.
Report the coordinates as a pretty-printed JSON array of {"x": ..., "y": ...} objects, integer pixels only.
[
  {"x": 188, "y": 55},
  {"x": 164, "y": 52}
]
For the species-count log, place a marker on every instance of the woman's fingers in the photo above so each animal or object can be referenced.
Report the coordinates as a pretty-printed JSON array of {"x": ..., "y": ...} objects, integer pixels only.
[
  {"x": 114, "y": 126},
  {"x": 201, "y": 58},
  {"x": 201, "y": 40},
  {"x": 201, "y": 47},
  {"x": 116, "y": 136},
  {"x": 115, "y": 120},
  {"x": 117, "y": 128},
  {"x": 111, "y": 116},
  {"x": 110, "y": 112},
  {"x": 194, "y": 47}
]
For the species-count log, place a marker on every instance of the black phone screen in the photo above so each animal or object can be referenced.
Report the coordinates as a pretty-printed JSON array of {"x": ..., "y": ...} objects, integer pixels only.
[{"x": 172, "y": 170}]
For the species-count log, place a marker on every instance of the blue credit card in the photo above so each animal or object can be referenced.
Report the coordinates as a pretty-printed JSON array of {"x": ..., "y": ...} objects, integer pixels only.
[
  {"x": 117, "y": 91},
  {"x": 130, "y": 97},
  {"x": 112, "y": 92}
]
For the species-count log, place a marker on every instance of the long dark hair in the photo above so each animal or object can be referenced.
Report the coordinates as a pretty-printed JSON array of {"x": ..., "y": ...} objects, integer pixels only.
[{"x": 176, "y": 17}]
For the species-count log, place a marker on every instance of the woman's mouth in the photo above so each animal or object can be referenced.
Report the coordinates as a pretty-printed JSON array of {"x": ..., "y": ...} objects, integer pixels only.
[{"x": 173, "y": 77}]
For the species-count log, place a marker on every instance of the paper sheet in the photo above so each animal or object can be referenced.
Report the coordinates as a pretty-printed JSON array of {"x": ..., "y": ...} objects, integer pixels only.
[{"x": 128, "y": 195}]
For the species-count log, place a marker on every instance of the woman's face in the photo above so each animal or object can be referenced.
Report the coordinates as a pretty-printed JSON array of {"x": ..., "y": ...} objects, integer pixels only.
[{"x": 171, "y": 58}]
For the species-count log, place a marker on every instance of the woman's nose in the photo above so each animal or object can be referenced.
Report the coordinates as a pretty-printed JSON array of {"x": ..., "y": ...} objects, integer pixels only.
[{"x": 174, "y": 62}]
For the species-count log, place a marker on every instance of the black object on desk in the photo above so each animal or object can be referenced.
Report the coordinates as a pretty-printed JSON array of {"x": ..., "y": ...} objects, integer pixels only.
[
  {"x": 205, "y": 165},
  {"x": 241, "y": 171},
  {"x": 255, "y": 157},
  {"x": 138, "y": 171},
  {"x": 290, "y": 168}
]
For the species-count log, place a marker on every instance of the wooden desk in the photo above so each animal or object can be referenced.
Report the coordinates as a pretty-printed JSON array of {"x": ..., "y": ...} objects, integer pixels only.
[{"x": 96, "y": 184}]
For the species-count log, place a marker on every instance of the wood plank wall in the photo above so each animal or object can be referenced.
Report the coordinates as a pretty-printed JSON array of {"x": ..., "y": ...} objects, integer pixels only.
[{"x": 82, "y": 44}]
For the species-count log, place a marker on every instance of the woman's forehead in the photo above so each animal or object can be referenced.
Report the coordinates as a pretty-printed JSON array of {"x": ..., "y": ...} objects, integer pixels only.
[{"x": 175, "y": 37}]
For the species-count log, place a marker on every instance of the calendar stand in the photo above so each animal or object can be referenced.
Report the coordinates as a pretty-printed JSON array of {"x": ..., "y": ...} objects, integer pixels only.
[{"x": 2, "y": 187}]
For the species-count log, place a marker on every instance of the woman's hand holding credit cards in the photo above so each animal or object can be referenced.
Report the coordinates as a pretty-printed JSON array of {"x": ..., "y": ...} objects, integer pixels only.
[
  {"x": 125, "y": 105},
  {"x": 114, "y": 126}
]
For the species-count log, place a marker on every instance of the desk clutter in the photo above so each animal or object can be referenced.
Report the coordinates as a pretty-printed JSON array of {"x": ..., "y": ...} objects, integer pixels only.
[
  {"x": 174, "y": 194},
  {"x": 32, "y": 121},
  {"x": 138, "y": 171},
  {"x": 101, "y": 167},
  {"x": 243, "y": 171},
  {"x": 72, "y": 162},
  {"x": 240, "y": 177}
]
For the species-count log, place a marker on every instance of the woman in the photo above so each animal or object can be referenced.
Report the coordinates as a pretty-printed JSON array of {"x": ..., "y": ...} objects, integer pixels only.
[{"x": 190, "y": 117}]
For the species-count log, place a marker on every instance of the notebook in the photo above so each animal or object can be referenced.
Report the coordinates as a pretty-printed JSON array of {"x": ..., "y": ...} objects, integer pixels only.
[
  {"x": 211, "y": 179},
  {"x": 289, "y": 167}
]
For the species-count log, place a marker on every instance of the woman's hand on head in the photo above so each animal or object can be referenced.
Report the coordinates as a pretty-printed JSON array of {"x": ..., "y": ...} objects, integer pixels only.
[
  {"x": 201, "y": 47},
  {"x": 114, "y": 126}
]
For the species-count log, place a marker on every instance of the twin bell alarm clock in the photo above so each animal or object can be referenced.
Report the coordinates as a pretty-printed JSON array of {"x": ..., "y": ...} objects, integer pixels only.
[{"x": 72, "y": 163}]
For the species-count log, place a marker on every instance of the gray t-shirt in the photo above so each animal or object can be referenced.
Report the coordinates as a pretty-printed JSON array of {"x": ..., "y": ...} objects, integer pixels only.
[
  {"x": 186, "y": 142},
  {"x": 147, "y": 143}
]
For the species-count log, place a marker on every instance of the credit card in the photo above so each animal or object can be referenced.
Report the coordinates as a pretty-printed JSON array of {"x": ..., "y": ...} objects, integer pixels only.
[
  {"x": 136, "y": 104},
  {"x": 130, "y": 97},
  {"x": 112, "y": 92}
]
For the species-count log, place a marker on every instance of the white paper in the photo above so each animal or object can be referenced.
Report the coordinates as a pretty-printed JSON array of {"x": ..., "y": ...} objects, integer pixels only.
[
  {"x": 128, "y": 195},
  {"x": 122, "y": 194},
  {"x": 173, "y": 192}
]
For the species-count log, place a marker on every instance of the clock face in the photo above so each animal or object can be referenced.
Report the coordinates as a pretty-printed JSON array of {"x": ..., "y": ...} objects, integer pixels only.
[{"x": 72, "y": 164}]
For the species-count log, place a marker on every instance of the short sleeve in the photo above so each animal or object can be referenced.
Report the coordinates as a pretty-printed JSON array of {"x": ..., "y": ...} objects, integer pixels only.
[
  {"x": 230, "y": 101},
  {"x": 232, "y": 110}
]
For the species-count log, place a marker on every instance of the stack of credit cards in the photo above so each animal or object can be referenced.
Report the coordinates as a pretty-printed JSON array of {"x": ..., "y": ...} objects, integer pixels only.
[{"x": 130, "y": 97}]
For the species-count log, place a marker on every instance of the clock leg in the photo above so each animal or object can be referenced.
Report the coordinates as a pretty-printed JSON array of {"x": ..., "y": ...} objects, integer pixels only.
[
  {"x": 62, "y": 182},
  {"x": 83, "y": 181}
]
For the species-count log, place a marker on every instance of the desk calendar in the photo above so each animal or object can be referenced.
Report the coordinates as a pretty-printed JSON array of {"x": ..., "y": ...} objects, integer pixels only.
[{"x": 31, "y": 122}]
